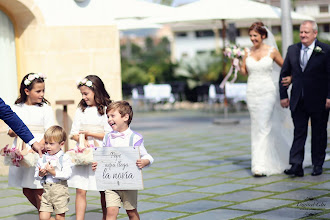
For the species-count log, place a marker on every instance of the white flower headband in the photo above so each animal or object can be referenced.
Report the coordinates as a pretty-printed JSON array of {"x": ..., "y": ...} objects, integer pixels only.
[
  {"x": 84, "y": 82},
  {"x": 33, "y": 76}
]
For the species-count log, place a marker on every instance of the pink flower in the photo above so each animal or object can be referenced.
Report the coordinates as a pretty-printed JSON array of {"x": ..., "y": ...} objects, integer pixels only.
[{"x": 31, "y": 77}]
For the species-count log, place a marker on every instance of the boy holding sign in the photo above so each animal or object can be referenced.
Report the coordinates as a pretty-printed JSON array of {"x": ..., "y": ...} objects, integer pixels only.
[{"x": 120, "y": 115}]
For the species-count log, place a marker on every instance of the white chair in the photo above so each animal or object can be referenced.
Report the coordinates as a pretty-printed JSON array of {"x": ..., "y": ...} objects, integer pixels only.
[{"x": 214, "y": 96}]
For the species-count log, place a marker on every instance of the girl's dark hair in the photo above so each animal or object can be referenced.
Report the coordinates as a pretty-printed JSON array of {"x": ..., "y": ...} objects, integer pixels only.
[
  {"x": 101, "y": 96},
  {"x": 22, "y": 96},
  {"x": 259, "y": 27}
]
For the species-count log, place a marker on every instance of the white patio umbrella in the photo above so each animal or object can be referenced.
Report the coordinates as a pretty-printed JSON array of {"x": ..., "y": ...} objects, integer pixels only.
[
  {"x": 209, "y": 10},
  {"x": 133, "y": 23},
  {"x": 218, "y": 11}
]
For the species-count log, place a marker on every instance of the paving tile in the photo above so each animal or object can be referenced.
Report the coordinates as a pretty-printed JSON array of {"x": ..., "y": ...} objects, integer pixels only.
[
  {"x": 190, "y": 175},
  {"x": 11, "y": 192},
  {"x": 16, "y": 209},
  {"x": 158, "y": 182},
  {"x": 260, "y": 205},
  {"x": 159, "y": 215},
  {"x": 23, "y": 216},
  {"x": 301, "y": 194},
  {"x": 260, "y": 181},
  {"x": 226, "y": 168},
  {"x": 222, "y": 214},
  {"x": 197, "y": 206},
  {"x": 163, "y": 190},
  {"x": 202, "y": 158},
  {"x": 285, "y": 214},
  {"x": 179, "y": 169},
  {"x": 210, "y": 163},
  {"x": 325, "y": 185},
  {"x": 3, "y": 185},
  {"x": 206, "y": 181},
  {"x": 281, "y": 186},
  {"x": 12, "y": 201},
  {"x": 149, "y": 175},
  {"x": 312, "y": 179},
  {"x": 241, "y": 196},
  {"x": 326, "y": 216},
  {"x": 180, "y": 197},
  {"x": 222, "y": 188},
  {"x": 238, "y": 174}
]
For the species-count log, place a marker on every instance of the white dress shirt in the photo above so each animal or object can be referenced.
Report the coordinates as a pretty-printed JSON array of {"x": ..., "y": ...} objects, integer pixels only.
[
  {"x": 124, "y": 142},
  {"x": 309, "y": 51},
  {"x": 63, "y": 171}
]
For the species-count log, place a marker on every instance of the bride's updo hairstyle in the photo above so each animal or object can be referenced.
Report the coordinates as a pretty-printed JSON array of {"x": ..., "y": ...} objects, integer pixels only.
[{"x": 259, "y": 27}]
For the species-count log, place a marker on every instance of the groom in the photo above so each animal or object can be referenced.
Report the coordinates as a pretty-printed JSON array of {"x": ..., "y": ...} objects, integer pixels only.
[{"x": 308, "y": 62}]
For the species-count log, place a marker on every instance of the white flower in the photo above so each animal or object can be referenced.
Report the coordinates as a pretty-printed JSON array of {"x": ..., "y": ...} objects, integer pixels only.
[
  {"x": 31, "y": 77},
  {"x": 83, "y": 81},
  {"x": 27, "y": 82},
  {"x": 318, "y": 49},
  {"x": 42, "y": 75},
  {"x": 89, "y": 83}
]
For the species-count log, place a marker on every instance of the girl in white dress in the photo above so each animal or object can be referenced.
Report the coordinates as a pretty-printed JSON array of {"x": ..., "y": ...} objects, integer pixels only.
[
  {"x": 33, "y": 109},
  {"x": 91, "y": 120},
  {"x": 269, "y": 144}
]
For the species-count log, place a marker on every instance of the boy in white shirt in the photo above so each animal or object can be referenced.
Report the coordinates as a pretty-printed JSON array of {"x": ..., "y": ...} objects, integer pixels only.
[
  {"x": 53, "y": 170},
  {"x": 120, "y": 115}
]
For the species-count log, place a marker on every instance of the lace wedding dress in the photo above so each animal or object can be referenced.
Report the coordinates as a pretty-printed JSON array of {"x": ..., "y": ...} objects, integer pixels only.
[{"x": 271, "y": 125}]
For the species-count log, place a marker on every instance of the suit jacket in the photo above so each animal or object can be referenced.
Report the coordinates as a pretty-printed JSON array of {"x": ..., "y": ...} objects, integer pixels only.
[
  {"x": 14, "y": 122},
  {"x": 313, "y": 83}
]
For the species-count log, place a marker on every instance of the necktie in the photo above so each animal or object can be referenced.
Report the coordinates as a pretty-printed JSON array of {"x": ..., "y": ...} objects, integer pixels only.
[
  {"x": 304, "y": 59},
  {"x": 118, "y": 134}
]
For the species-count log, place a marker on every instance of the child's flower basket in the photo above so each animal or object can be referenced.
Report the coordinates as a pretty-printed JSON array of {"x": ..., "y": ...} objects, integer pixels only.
[
  {"x": 15, "y": 157},
  {"x": 82, "y": 156}
]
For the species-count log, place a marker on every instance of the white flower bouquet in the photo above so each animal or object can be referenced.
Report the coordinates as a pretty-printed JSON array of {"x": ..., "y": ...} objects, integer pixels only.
[{"x": 234, "y": 51}]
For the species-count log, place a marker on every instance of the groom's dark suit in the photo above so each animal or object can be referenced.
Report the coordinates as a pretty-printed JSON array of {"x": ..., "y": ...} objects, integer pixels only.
[{"x": 310, "y": 89}]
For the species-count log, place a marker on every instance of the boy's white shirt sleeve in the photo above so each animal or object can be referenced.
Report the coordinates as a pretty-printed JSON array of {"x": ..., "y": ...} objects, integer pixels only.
[
  {"x": 144, "y": 154},
  {"x": 66, "y": 171},
  {"x": 36, "y": 173},
  {"x": 63, "y": 174}
]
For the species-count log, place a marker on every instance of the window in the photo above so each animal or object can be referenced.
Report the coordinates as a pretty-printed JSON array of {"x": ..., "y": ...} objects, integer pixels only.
[
  {"x": 324, "y": 8},
  {"x": 326, "y": 28},
  {"x": 204, "y": 33},
  {"x": 181, "y": 34}
]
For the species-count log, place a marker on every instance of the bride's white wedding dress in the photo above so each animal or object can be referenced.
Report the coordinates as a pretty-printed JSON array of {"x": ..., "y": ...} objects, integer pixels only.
[{"x": 271, "y": 125}]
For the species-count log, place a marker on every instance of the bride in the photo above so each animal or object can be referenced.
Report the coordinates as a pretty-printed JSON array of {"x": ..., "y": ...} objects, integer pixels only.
[{"x": 271, "y": 125}]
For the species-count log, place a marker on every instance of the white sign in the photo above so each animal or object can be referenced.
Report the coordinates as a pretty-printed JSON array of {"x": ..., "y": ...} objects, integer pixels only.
[{"x": 116, "y": 168}]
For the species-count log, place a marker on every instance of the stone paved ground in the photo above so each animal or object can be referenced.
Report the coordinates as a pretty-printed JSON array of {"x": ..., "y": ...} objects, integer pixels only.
[{"x": 201, "y": 171}]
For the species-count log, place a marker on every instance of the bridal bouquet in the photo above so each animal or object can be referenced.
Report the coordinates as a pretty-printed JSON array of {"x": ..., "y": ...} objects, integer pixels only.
[
  {"x": 234, "y": 51},
  {"x": 15, "y": 157}
]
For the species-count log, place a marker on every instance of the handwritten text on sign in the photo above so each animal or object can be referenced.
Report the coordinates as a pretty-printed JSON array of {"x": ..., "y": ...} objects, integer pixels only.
[{"x": 116, "y": 168}]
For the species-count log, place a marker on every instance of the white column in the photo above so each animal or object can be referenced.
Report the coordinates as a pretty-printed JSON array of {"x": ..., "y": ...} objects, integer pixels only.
[{"x": 286, "y": 21}]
